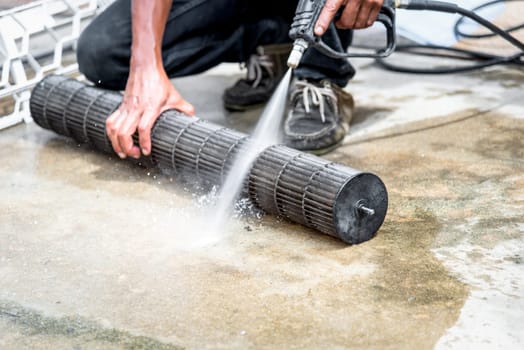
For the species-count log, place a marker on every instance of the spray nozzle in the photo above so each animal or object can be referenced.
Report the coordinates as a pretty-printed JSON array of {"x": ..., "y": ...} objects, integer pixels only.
[{"x": 299, "y": 46}]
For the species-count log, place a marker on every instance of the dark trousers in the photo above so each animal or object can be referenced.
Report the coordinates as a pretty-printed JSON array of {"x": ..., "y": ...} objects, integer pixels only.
[{"x": 200, "y": 34}]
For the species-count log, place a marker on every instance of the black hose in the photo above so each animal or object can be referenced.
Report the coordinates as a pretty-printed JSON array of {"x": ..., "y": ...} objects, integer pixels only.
[
  {"x": 482, "y": 60},
  {"x": 461, "y": 34}
]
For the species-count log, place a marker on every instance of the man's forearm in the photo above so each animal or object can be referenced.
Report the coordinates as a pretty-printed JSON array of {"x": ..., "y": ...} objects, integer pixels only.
[
  {"x": 148, "y": 23},
  {"x": 148, "y": 91}
]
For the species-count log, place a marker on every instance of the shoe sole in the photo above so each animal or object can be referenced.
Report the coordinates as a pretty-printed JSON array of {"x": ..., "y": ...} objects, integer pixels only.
[
  {"x": 321, "y": 151},
  {"x": 239, "y": 108}
]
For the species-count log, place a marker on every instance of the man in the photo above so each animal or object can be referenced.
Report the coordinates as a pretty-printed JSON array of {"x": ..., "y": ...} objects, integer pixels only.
[{"x": 138, "y": 45}]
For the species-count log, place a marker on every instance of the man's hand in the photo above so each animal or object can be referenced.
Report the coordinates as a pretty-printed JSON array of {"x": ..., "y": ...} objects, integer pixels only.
[
  {"x": 357, "y": 14},
  {"x": 148, "y": 93},
  {"x": 148, "y": 90}
]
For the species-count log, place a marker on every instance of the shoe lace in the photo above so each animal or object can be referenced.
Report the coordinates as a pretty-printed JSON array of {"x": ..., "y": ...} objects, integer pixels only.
[
  {"x": 255, "y": 66},
  {"x": 312, "y": 94}
]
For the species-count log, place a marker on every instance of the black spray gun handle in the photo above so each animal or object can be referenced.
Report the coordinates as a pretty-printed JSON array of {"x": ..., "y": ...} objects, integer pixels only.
[{"x": 302, "y": 32}]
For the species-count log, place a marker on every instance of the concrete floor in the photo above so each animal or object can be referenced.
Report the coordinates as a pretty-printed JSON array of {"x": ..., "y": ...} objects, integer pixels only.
[{"x": 95, "y": 253}]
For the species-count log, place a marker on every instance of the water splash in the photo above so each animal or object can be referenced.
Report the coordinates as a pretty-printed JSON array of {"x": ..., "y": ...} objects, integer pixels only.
[{"x": 266, "y": 133}]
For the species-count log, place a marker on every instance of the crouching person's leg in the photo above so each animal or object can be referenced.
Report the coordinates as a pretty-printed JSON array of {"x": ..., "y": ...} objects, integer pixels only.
[{"x": 104, "y": 47}]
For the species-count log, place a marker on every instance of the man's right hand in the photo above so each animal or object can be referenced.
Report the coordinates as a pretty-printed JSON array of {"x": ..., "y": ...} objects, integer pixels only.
[
  {"x": 357, "y": 14},
  {"x": 148, "y": 93}
]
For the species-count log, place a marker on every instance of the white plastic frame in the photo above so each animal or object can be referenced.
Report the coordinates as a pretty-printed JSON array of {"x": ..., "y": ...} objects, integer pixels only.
[{"x": 59, "y": 19}]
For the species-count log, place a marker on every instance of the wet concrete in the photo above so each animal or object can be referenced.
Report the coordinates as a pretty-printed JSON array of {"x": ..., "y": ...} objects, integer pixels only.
[{"x": 95, "y": 253}]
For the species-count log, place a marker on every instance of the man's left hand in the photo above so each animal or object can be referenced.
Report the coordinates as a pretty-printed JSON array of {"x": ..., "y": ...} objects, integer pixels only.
[{"x": 357, "y": 14}]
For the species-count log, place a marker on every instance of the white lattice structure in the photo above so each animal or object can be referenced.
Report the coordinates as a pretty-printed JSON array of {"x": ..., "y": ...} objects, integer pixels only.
[{"x": 33, "y": 38}]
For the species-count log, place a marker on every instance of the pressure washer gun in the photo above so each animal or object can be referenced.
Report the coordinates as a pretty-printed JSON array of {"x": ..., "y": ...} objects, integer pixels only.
[{"x": 302, "y": 32}]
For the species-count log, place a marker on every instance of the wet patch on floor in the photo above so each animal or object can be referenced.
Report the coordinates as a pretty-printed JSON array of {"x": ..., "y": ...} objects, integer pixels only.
[
  {"x": 506, "y": 76},
  {"x": 409, "y": 273},
  {"x": 31, "y": 326},
  {"x": 463, "y": 179},
  {"x": 505, "y": 144}
]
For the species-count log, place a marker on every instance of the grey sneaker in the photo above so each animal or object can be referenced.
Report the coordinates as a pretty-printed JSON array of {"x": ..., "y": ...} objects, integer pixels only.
[
  {"x": 318, "y": 117},
  {"x": 264, "y": 71}
]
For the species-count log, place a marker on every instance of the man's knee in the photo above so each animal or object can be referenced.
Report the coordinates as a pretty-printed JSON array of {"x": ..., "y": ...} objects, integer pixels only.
[
  {"x": 86, "y": 56},
  {"x": 97, "y": 58}
]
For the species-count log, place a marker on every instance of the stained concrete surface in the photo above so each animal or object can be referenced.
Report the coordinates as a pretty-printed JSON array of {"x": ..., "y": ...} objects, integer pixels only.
[{"x": 95, "y": 252}]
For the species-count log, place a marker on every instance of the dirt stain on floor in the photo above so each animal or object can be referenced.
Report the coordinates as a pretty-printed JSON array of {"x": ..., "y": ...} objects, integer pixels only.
[
  {"x": 31, "y": 325},
  {"x": 447, "y": 184}
]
